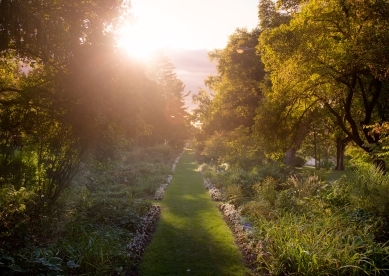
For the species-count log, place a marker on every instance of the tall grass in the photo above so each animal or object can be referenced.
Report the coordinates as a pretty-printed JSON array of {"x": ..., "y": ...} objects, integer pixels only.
[
  {"x": 371, "y": 190},
  {"x": 320, "y": 245},
  {"x": 309, "y": 226}
]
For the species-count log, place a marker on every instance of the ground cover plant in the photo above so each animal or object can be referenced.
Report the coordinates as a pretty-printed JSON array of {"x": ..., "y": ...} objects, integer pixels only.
[
  {"x": 191, "y": 236},
  {"x": 94, "y": 226},
  {"x": 303, "y": 224}
]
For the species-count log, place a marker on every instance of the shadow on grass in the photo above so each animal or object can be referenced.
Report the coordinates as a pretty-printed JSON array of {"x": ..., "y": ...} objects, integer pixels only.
[{"x": 192, "y": 237}]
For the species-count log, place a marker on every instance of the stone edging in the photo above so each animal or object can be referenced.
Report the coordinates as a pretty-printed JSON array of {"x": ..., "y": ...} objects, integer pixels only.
[
  {"x": 161, "y": 190},
  {"x": 214, "y": 192},
  {"x": 243, "y": 233},
  {"x": 249, "y": 246},
  {"x": 144, "y": 232}
]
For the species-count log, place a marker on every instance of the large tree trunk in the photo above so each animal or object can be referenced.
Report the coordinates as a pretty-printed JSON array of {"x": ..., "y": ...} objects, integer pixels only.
[{"x": 340, "y": 148}]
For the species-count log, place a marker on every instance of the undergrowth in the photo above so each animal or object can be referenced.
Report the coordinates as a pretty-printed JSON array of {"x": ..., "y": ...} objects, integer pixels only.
[
  {"x": 309, "y": 226},
  {"x": 88, "y": 228}
]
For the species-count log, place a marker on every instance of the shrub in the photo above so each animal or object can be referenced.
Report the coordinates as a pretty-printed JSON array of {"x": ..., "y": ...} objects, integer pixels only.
[
  {"x": 265, "y": 190},
  {"x": 255, "y": 210},
  {"x": 16, "y": 209},
  {"x": 287, "y": 200},
  {"x": 305, "y": 186},
  {"x": 235, "y": 195},
  {"x": 338, "y": 193}
]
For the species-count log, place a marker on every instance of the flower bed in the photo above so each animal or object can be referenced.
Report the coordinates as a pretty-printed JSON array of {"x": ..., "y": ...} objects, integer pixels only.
[
  {"x": 144, "y": 233},
  {"x": 161, "y": 190},
  {"x": 249, "y": 246},
  {"x": 214, "y": 192}
]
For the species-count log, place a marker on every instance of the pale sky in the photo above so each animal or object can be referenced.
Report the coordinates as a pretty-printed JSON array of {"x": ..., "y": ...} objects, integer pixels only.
[{"x": 186, "y": 30}]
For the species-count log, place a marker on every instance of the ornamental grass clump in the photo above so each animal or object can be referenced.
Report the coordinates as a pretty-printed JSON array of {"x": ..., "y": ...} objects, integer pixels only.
[
  {"x": 372, "y": 190},
  {"x": 320, "y": 245}
]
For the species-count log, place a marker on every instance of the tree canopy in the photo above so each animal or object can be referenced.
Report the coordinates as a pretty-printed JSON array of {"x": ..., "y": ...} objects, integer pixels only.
[
  {"x": 330, "y": 56},
  {"x": 67, "y": 93}
]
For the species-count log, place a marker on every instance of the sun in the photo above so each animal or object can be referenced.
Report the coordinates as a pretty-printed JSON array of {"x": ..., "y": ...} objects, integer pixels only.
[
  {"x": 136, "y": 41},
  {"x": 152, "y": 28}
]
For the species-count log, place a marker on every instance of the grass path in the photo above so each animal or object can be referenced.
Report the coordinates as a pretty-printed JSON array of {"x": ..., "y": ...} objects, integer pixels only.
[{"x": 191, "y": 237}]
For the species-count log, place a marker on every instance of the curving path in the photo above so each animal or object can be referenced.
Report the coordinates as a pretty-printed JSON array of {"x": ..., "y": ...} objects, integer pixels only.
[{"x": 191, "y": 237}]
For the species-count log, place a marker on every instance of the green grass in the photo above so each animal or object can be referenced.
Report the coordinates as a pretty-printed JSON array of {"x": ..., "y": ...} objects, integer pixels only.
[{"x": 191, "y": 237}]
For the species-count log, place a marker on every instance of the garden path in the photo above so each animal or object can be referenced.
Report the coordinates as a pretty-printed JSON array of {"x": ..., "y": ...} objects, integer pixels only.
[{"x": 191, "y": 236}]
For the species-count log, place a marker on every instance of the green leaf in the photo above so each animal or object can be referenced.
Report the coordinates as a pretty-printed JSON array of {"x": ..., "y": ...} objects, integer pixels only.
[
  {"x": 54, "y": 267},
  {"x": 37, "y": 260},
  {"x": 72, "y": 264},
  {"x": 17, "y": 268},
  {"x": 54, "y": 261}
]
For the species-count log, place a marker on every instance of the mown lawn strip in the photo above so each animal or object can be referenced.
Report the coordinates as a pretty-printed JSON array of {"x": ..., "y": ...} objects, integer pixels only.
[{"x": 191, "y": 237}]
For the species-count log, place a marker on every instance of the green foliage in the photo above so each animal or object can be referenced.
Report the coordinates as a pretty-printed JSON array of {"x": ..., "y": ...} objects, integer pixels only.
[
  {"x": 236, "y": 88},
  {"x": 87, "y": 229},
  {"x": 236, "y": 148},
  {"x": 371, "y": 188},
  {"x": 309, "y": 226},
  {"x": 164, "y": 110},
  {"x": 320, "y": 245},
  {"x": 338, "y": 193},
  {"x": 40, "y": 262},
  {"x": 227, "y": 116},
  {"x": 17, "y": 208},
  {"x": 99, "y": 250},
  {"x": 266, "y": 190},
  {"x": 323, "y": 58}
]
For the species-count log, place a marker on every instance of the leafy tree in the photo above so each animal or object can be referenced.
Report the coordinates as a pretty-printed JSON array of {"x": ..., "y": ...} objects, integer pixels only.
[
  {"x": 74, "y": 91},
  {"x": 269, "y": 15},
  {"x": 237, "y": 85},
  {"x": 164, "y": 109},
  {"x": 328, "y": 55},
  {"x": 229, "y": 113}
]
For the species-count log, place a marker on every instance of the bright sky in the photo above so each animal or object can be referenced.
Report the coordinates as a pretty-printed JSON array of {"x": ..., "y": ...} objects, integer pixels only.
[{"x": 192, "y": 26}]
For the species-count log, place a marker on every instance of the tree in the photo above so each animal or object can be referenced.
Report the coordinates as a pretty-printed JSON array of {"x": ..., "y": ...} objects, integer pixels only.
[
  {"x": 237, "y": 85},
  {"x": 164, "y": 106},
  {"x": 75, "y": 92},
  {"x": 328, "y": 55},
  {"x": 270, "y": 17},
  {"x": 228, "y": 114}
]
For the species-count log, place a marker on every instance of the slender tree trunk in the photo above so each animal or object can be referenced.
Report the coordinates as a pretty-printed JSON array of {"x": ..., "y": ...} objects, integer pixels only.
[
  {"x": 290, "y": 156},
  {"x": 340, "y": 148},
  {"x": 315, "y": 147}
]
